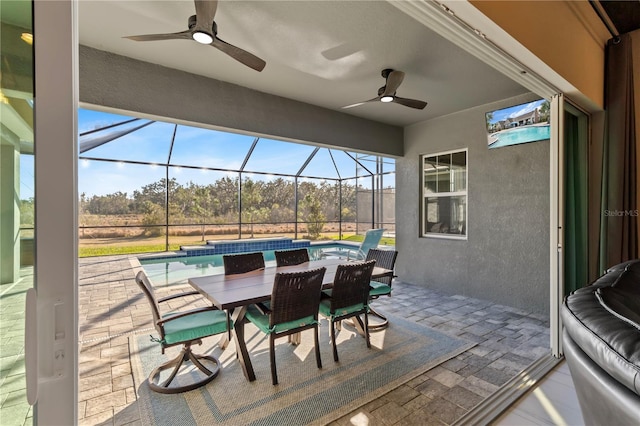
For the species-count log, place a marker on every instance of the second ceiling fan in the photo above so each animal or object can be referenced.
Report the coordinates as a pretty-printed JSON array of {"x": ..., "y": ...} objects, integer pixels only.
[
  {"x": 203, "y": 29},
  {"x": 387, "y": 93}
]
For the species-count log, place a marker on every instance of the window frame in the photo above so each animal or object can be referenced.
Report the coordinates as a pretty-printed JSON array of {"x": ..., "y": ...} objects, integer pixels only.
[{"x": 424, "y": 233}]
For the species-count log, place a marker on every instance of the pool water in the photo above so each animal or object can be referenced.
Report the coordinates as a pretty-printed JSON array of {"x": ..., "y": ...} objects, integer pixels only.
[
  {"x": 165, "y": 271},
  {"x": 519, "y": 135}
]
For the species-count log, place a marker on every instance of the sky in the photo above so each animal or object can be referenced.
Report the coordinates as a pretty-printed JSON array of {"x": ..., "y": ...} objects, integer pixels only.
[
  {"x": 515, "y": 111},
  {"x": 193, "y": 146}
]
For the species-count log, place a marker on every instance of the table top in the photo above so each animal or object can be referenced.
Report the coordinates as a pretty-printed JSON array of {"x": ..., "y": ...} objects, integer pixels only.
[{"x": 231, "y": 291}]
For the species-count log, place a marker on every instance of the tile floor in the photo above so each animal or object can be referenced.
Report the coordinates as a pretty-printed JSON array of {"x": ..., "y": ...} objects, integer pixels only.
[
  {"x": 552, "y": 402},
  {"x": 112, "y": 307},
  {"x": 14, "y": 409}
]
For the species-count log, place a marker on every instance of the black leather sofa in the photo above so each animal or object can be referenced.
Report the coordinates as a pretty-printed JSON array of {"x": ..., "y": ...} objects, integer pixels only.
[{"x": 602, "y": 346}]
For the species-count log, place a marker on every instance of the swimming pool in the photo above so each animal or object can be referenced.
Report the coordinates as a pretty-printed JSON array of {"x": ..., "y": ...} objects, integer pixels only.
[
  {"x": 166, "y": 270},
  {"x": 519, "y": 135}
]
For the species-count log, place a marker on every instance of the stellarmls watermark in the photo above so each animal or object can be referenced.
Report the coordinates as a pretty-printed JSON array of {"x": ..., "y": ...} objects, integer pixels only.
[{"x": 619, "y": 213}]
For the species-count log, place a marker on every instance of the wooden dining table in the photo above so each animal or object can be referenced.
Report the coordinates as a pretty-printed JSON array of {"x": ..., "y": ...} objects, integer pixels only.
[{"x": 239, "y": 291}]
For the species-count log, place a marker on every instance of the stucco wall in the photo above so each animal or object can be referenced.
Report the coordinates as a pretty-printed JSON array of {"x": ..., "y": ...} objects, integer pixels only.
[
  {"x": 126, "y": 84},
  {"x": 506, "y": 256}
]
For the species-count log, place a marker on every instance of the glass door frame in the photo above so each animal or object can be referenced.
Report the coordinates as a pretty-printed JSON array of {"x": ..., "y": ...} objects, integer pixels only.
[{"x": 56, "y": 282}]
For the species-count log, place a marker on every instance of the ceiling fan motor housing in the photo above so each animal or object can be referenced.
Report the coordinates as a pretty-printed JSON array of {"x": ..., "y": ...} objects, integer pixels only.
[{"x": 193, "y": 20}]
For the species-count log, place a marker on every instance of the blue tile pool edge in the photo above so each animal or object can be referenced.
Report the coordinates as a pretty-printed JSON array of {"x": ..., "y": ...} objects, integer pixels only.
[{"x": 244, "y": 246}]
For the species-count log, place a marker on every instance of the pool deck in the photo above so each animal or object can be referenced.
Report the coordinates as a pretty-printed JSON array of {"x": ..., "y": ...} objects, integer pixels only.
[{"x": 112, "y": 308}]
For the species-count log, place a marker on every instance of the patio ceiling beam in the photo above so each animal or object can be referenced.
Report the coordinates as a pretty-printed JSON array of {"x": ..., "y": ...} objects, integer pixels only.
[{"x": 236, "y": 108}]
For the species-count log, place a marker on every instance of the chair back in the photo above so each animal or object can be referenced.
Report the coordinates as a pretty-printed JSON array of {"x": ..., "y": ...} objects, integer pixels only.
[
  {"x": 291, "y": 257},
  {"x": 371, "y": 240},
  {"x": 145, "y": 285},
  {"x": 296, "y": 295},
  {"x": 241, "y": 263},
  {"x": 351, "y": 285},
  {"x": 384, "y": 259}
]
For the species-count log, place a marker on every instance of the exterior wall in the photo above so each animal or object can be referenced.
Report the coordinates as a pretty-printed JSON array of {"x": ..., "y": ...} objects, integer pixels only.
[
  {"x": 506, "y": 256},
  {"x": 566, "y": 35},
  {"x": 126, "y": 84}
]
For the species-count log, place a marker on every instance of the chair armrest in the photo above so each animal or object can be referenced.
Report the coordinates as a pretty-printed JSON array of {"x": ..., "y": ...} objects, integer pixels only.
[
  {"x": 359, "y": 255},
  {"x": 175, "y": 296},
  {"x": 185, "y": 314}
]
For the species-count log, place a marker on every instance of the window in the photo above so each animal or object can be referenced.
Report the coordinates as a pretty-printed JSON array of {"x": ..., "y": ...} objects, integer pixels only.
[{"x": 444, "y": 195}]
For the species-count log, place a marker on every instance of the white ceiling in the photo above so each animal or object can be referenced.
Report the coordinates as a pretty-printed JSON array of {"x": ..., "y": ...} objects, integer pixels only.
[{"x": 326, "y": 53}]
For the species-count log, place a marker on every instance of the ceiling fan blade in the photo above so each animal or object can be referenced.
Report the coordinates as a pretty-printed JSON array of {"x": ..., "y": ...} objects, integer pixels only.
[
  {"x": 411, "y": 103},
  {"x": 393, "y": 82},
  {"x": 153, "y": 37},
  {"x": 205, "y": 12},
  {"x": 361, "y": 103},
  {"x": 239, "y": 55}
]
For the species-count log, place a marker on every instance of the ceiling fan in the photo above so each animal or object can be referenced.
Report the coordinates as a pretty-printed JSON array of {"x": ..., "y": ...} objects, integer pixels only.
[
  {"x": 203, "y": 29},
  {"x": 387, "y": 93}
]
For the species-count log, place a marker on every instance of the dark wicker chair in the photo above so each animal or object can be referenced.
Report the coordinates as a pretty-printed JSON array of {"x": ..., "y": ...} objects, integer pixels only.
[
  {"x": 293, "y": 308},
  {"x": 182, "y": 328},
  {"x": 242, "y": 263},
  {"x": 349, "y": 297},
  {"x": 292, "y": 257},
  {"x": 381, "y": 286}
]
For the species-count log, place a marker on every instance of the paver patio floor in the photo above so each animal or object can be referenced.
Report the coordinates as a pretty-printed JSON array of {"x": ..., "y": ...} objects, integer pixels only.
[{"x": 112, "y": 308}]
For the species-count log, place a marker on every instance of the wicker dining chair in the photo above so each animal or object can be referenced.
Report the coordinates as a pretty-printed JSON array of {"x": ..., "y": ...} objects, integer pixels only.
[
  {"x": 182, "y": 328},
  {"x": 291, "y": 257},
  {"x": 381, "y": 285},
  {"x": 242, "y": 263},
  {"x": 293, "y": 308},
  {"x": 349, "y": 297}
]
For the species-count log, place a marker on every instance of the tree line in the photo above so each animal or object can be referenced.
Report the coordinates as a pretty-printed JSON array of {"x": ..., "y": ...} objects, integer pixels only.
[{"x": 270, "y": 201}]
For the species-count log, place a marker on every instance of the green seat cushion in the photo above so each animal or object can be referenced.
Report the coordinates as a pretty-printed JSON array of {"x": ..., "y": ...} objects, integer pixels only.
[
  {"x": 379, "y": 289},
  {"x": 325, "y": 309},
  {"x": 262, "y": 321},
  {"x": 193, "y": 327}
]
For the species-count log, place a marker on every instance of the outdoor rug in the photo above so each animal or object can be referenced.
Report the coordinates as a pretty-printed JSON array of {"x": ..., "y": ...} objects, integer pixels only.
[{"x": 305, "y": 394}]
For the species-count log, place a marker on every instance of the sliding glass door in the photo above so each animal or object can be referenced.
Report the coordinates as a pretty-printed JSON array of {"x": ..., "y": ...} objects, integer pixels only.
[
  {"x": 16, "y": 203},
  {"x": 576, "y": 166}
]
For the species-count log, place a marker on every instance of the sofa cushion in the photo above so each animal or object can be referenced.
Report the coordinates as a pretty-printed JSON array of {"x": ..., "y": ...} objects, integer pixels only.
[
  {"x": 603, "y": 320},
  {"x": 622, "y": 299},
  {"x": 629, "y": 279},
  {"x": 623, "y": 304}
]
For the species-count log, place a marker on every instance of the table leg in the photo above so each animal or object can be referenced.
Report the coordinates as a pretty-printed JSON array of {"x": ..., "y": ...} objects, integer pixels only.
[
  {"x": 224, "y": 341},
  {"x": 357, "y": 323},
  {"x": 378, "y": 325},
  {"x": 294, "y": 338},
  {"x": 241, "y": 345}
]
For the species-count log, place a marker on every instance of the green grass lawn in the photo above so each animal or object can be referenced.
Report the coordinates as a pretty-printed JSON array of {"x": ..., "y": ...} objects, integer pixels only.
[
  {"x": 113, "y": 249},
  {"x": 384, "y": 241}
]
